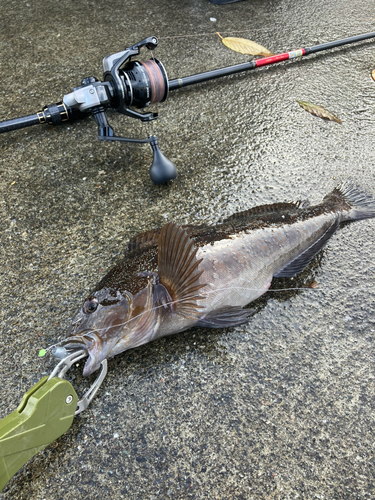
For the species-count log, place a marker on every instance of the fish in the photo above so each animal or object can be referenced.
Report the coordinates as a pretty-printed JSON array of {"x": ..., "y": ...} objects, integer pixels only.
[{"x": 177, "y": 277}]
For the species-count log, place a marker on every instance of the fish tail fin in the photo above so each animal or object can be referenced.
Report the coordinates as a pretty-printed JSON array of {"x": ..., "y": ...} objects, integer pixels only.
[{"x": 352, "y": 201}]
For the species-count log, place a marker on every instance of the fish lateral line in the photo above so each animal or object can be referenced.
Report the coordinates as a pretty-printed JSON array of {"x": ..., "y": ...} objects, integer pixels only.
[{"x": 302, "y": 288}]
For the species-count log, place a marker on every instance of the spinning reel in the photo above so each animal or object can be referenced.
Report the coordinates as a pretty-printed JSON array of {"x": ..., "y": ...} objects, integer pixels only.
[
  {"x": 138, "y": 84},
  {"x": 125, "y": 84}
]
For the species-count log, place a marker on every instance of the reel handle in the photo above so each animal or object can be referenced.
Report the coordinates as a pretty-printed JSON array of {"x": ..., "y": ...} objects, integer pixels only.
[{"x": 162, "y": 170}]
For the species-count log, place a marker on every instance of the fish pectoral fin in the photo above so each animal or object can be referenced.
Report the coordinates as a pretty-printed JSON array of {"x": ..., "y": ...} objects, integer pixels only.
[
  {"x": 228, "y": 316},
  {"x": 178, "y": 270},
  {"x": 299, "y": 263}
]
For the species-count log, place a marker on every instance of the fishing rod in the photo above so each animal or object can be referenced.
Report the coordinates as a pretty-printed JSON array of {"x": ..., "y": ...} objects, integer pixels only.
[{"x": 136, "y": 84}]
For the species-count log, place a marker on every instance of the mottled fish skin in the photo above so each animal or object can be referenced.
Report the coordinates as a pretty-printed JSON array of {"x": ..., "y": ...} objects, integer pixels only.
[{"x": 174, "y": 278}]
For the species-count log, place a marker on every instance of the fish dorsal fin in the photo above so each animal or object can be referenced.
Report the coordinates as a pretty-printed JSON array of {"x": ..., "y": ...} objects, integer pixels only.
[
  {"x": 274, "y": 208},
  {"x": 144, "y": 240},
  {"x": 299, "y": 263},
  {"x": 178, "y": 269}
]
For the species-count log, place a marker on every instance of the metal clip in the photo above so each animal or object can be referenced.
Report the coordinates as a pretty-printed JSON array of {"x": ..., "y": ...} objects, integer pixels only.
[
  {"x": 89, "y": 395},
  {"x": 64, "y": 365},
  {"x": 45, "y": 413}
]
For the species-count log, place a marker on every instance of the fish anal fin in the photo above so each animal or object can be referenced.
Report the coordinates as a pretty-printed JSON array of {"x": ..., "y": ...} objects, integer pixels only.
[
  {"x": 178, "y": 270},
  {"x": 226, "y": 317},
  {"x": 299, "y": 263},
  {"x": 273, "y": 208}
]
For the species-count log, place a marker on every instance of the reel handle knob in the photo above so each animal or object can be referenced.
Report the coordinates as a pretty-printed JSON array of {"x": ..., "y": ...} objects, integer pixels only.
[{"x": 161, "y": 170}]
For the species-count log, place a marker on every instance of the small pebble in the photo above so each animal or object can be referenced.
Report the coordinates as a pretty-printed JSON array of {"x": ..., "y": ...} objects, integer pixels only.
[{"x": 213, "y": 19}]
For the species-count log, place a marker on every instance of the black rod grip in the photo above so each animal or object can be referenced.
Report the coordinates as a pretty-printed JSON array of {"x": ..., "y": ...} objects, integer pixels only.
[{"x": 16, "y": 123}]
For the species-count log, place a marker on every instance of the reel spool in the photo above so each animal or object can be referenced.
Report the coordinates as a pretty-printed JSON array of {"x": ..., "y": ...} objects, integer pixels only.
[{"x": 146, "y": 83}]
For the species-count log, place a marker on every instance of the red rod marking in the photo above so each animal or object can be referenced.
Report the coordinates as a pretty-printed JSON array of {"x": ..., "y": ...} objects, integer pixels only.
[{"x": 279, "y": 57}]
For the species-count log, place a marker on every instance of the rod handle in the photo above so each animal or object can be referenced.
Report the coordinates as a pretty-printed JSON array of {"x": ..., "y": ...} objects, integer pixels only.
[
  {"x": 16, "y": 123},
  {"x": 53, "y": 114}
]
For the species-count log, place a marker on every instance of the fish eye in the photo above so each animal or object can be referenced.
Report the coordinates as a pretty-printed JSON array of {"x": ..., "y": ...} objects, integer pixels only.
[{"x": 90, "y": 305}]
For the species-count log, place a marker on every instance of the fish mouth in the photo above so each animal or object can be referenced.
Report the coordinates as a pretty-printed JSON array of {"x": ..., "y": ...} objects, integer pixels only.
[
  {"x": 91, "y": 342},
  {"x": 97, "y": 336}
]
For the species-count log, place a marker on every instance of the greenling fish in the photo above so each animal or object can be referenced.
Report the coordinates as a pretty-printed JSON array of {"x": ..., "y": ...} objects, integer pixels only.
[{"x": 177, "y": 277}]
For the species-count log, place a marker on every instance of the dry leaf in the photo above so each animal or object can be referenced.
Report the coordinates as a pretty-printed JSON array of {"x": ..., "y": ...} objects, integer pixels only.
[
  {"x": 244, "y": 46},
  {"x": 373, "y": 74},
  {"x": 316, "y": 110},
  {"x": 314, "y": 284}
]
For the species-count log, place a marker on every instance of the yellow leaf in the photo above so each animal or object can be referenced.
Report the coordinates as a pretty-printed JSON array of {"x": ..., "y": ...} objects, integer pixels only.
[
  {"x": 373, "y": 74},
  {"x": 314, "y": 284},
  {"x": 317, "y": 110},
  {"x": 244, "y": 46}
]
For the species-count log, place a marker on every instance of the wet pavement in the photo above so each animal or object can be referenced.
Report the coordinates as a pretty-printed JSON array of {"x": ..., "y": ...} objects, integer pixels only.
[{"x": 282, "y": 408}]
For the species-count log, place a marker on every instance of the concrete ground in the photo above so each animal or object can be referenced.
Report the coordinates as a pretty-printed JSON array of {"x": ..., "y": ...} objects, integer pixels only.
[{"x": 282, "y": 408}]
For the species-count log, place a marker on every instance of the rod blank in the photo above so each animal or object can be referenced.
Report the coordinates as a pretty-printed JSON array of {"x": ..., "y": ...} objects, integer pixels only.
[{"x": 266, "y": 61}]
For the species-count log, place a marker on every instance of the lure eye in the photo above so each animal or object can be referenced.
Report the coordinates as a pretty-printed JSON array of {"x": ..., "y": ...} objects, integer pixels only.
[{"x": 91, "y": 305}]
